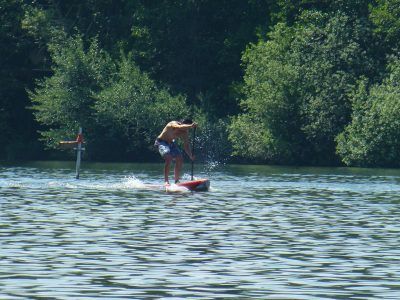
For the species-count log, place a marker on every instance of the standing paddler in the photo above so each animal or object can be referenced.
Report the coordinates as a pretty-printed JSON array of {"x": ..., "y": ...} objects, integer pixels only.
[{"x": 169, "y": 150}]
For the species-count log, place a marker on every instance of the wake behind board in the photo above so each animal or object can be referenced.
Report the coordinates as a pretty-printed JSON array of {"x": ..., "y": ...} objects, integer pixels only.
[{"x": 199, "y": 185}]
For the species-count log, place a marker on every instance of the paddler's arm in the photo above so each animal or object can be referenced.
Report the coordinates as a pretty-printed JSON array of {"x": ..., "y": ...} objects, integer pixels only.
[{"x": 182, "y": 126}]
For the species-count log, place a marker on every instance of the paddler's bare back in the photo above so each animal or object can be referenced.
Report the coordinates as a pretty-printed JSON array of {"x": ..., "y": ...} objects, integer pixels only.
[
  {"x": 172, "y": 131},
  {"x": 169, "y": 150}
]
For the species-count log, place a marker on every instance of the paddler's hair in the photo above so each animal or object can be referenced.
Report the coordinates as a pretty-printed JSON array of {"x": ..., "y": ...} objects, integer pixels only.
[{"x": 185, "y": 121}]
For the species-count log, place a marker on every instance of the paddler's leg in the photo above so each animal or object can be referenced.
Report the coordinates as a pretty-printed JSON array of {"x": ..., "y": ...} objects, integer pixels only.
[
  {"x": 177, "y": 155},
  {"x": 168, "y": 159},
  {"x": 178, "y": 167},
  {"x": 165, "y": 152}
]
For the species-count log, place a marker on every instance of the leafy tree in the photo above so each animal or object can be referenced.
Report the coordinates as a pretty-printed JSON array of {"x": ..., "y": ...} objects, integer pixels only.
[
  {"x": 64, "y": 101},
  {"x": 120, "y": 108},
  {"x": 297, "y": 87},
  {"x": 373, "y": 136},
  {"x": 262, "y": 130},
  {"x": 133, "y": 109}
]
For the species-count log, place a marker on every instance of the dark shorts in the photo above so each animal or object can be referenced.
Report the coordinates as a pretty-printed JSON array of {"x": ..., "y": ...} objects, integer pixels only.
[{"x": 165, "y": 148}]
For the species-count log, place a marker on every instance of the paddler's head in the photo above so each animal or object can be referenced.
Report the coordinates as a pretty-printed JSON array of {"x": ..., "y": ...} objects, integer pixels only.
[{"x": 185, "y": 121}]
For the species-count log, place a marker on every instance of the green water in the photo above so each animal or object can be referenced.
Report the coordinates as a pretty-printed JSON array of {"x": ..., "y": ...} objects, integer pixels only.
[{"x": 260, "y": 233}]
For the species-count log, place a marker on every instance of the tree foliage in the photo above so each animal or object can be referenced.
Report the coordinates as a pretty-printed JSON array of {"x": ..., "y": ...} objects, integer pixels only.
[
  {"x": 373, "y": 136},
  {"x": 65, "y": 100},
  {"x": 133, "y": 108},
  {"x": 293, "y": 82},
  {"x": 385, "y": 15},
  {"x": 113, "y": 101},
  {"x": 297, "y": 85}
]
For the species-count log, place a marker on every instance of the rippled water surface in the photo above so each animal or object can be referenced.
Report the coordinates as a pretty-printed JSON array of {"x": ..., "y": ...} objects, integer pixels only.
[{"x": 260, "y": 233}]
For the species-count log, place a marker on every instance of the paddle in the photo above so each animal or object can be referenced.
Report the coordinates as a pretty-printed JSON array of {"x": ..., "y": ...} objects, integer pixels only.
[{"x": 194, "y": 138}]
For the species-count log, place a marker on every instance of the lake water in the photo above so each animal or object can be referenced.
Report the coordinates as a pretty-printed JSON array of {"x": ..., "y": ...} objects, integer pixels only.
[{"x": 260, "y": 233}]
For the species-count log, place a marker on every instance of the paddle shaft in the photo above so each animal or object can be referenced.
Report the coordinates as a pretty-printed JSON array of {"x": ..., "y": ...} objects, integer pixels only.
[
  {"x": 193, "y": 143},
  {"x": 78, "y": 155}
]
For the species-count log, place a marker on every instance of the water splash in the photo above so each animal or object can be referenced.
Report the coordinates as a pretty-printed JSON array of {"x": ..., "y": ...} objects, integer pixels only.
[
  {"x": 127, "y": 183},
  {"x": 213, "y": 164},
  {"x": 130, "y": 182},
  {"x": 173, "y": 188},
  {"x": 213, "y": 145}
]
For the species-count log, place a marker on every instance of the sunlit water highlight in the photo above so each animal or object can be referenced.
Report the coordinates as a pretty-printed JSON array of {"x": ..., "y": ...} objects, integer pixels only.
[{"x": 260, "y": 233}]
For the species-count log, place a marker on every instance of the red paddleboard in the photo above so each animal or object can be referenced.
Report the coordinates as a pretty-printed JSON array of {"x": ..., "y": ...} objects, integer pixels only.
[{"x": 199, "y": 185}]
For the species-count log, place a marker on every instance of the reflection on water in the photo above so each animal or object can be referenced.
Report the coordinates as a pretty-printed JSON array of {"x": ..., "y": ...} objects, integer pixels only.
[{"x": 260, "y": 233}]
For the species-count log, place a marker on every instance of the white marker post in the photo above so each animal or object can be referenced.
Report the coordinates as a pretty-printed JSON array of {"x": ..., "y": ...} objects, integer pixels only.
[{"x": 79, "y": 150}]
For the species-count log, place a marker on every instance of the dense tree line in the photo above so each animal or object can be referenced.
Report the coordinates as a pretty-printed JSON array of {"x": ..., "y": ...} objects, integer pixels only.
[{"x": 287, "y": 82}]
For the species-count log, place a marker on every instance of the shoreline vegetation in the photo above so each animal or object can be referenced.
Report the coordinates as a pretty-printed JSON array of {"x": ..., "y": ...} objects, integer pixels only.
[{"x": 291, "y": 83}]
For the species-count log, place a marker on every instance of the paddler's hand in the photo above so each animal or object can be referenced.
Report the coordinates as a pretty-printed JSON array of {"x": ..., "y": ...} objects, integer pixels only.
[
  {"x": 194, "y": 125},
  {"x": 192, "y": 157}
]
